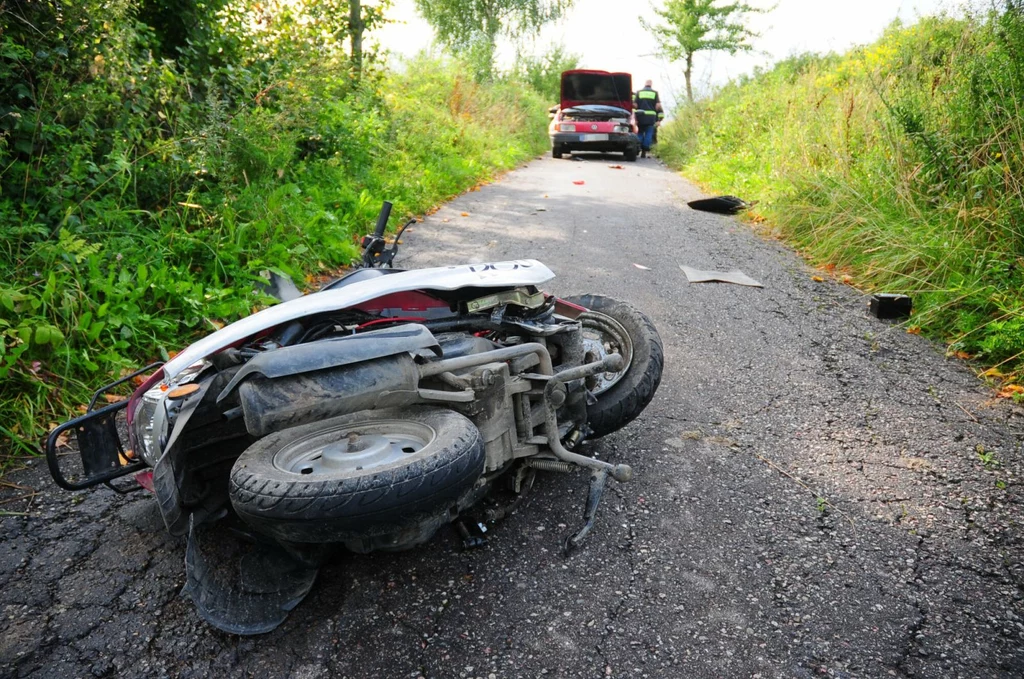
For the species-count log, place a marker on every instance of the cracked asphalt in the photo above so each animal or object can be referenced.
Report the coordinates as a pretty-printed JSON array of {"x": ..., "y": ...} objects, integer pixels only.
[{"x": 816, "y": 493}]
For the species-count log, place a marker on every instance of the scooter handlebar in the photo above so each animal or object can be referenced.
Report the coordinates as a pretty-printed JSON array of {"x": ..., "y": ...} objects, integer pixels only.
[{"x": 382, "y": 219}]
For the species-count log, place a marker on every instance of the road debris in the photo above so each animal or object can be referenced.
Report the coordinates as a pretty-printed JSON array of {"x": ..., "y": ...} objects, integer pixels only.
[
  {"x": 734, "y": 276},
  {"x": 885, "y": 305},
  {"x": 722, "y": 205}
]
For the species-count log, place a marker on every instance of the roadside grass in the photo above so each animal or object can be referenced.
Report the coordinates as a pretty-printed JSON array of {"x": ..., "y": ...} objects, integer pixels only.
[
  {"x": 897, "y": 167},
  {"x": 119, "y": 245}
]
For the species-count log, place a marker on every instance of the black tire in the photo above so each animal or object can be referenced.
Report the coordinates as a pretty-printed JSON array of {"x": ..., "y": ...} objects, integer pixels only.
[
  {"x": 556, "y": 151},
  {"x": 419, "y": 472},
  {"x": 629, "y": 392},
  {"x": 630, "y": 155}
]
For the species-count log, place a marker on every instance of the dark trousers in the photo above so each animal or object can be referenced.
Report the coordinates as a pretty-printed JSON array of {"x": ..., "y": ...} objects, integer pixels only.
[{"x": 645, "y": 133}]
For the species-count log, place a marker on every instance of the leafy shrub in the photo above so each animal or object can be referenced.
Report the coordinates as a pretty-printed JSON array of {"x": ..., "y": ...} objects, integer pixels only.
[
  {"x": 898, "y": 163},
  {"x": 147, "y": 178}
]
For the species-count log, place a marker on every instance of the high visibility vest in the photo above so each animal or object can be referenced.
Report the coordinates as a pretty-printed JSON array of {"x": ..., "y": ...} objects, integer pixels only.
[{"x": 646, "y": 102}]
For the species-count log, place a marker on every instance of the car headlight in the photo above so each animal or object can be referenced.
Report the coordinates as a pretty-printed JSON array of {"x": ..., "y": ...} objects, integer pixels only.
[
  {"x": 567, "y": 127},
  {"x": 622, "y": 128}
]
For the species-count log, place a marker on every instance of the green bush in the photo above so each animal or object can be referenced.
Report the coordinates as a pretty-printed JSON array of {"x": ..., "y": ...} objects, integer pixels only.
[
  {"x": 899, "y": 164},
  {"x": 141, "y": 196}
]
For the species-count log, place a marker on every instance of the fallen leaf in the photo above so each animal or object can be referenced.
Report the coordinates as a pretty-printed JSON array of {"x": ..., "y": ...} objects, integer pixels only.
[
  {"x": 641, "y": 267},
  {"x": 445, "y": 220},
  {"x": 992, "y": 372},
  {"x": 579, "y": 182},
  {"x": 817, "y": 279},
  {"x": 847, "y": 279},
  {"x": 962, "y": 355},
  {"x": 465, "y": 214},
  {"x": 914, "y": 330},
  {"x": 112, "y": 398},
  {"x": 1011, "y": 390},
  {"x": 616, "y": 167},
  {"x": 81, "y": 409},
  {"x": 62, "y": 440}
]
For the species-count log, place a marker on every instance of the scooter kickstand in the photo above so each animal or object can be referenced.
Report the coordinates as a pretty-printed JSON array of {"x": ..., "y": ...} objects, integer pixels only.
[{"x": 597, "y": 481}]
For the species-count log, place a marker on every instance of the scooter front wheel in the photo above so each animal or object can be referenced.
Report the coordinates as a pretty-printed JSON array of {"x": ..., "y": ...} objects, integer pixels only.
[
  {"x": 614, "y": 327},
  {"x": 365, "y": 474}
]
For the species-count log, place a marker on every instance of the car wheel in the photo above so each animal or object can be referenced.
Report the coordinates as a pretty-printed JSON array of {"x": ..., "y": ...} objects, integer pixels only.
[
  {"x": 556, "y": 151},
  {"x": 375, "y": 472},
  {"x": 630, "y": 155}
]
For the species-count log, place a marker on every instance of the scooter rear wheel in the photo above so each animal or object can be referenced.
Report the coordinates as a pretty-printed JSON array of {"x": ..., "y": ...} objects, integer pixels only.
[{"x": 361, "y": 475}]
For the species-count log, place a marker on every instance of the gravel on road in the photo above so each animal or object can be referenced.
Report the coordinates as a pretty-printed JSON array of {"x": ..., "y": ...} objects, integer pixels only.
[{"x": 816, "y": 493}]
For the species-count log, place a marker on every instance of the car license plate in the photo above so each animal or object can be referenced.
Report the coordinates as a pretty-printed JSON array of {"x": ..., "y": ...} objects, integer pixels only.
[{"x": 594, "y": 137}]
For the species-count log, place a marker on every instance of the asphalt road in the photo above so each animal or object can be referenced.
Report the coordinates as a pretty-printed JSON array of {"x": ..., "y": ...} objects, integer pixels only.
[{"x": 817, "y": 493}]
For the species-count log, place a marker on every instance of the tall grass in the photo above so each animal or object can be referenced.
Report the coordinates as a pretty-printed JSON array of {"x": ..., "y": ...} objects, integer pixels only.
[
  {"x": 138, "y": 206},
  {"x": 900, "y": 164}
]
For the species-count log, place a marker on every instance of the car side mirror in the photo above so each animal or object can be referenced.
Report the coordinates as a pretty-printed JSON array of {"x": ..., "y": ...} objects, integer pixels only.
[{"x": 553, "y": 111}]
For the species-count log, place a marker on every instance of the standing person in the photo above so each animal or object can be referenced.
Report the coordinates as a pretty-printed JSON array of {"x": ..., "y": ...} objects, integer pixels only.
[{"x": 648, "y": 106}]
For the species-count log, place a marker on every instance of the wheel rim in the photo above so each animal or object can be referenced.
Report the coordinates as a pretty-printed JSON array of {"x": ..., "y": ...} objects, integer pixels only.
[
  {"x": 602, "y": 336},
  {"x": 354, "y": 448}
]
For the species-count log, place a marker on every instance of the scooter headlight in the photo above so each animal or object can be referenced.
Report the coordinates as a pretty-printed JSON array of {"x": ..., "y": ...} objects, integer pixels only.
[
  {"x": 152, "y": 419},
  {"x": 150, "y": 429}
]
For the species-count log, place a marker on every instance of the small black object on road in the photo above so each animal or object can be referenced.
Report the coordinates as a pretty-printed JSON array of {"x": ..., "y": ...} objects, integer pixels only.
[
  {"x": 885, "y": 305},
  {"x": 723, "y": 205}
]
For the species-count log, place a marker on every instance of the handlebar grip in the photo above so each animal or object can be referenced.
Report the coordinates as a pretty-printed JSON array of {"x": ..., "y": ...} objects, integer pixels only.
[{"x": 382, "y": 219}]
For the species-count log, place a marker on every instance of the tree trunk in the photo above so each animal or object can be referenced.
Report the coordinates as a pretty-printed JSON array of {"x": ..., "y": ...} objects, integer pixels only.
[
  {"x": 355, "y": 31},
  {"x": 688, "y": 73}
]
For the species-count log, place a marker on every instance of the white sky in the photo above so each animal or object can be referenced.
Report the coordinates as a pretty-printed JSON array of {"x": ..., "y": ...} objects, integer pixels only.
[{"x": 608, "y": 36}]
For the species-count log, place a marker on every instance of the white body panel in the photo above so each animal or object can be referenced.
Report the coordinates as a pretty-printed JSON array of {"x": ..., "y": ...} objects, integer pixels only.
[{"x": 499, "y": 274}]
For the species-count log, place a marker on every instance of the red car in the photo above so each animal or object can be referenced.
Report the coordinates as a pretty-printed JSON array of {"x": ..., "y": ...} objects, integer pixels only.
[{"x": 595, "y": 114}]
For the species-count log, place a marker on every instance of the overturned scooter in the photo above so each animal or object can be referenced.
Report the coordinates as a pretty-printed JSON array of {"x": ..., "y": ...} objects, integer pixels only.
[{"x": 367, "y": 415}]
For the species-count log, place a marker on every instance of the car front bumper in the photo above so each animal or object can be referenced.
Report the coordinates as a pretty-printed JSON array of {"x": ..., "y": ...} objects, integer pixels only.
[{"x": 593, "y": 141}]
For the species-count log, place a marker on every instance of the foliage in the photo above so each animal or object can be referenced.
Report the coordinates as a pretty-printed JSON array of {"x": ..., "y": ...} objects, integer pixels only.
[
  {"x": 470, "y": 28},
  {"x": 544, "y": 72},
  {"x": 899, "y": 164},
  {"x": 147, "y": 179},
  {"x": 692, "y": 26}
]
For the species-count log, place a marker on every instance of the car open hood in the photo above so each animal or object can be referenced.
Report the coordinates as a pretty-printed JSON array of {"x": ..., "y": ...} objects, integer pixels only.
[{"x": 597, "y": 87}]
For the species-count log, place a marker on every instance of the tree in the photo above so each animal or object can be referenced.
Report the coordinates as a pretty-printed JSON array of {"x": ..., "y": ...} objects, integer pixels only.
[
  {"x": 693, "y": 26},
  {"x": 544, "y": 72},
  {"x": 361, "y": 18},
  {"x": 471, "y": 27}
]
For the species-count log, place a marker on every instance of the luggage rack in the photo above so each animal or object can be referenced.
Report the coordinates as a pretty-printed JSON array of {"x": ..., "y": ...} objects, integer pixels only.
[{"x": 99, "y": 442}]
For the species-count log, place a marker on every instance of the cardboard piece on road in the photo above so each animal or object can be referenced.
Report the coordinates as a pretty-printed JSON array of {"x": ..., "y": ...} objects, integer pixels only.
[{"x": 735, "y": 276}]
